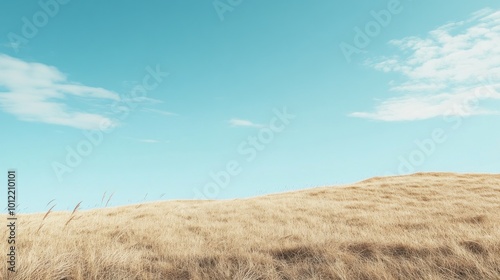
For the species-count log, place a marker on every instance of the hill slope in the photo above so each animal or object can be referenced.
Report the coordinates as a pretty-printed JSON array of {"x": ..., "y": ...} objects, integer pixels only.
[{"x": 422, "y": 226}]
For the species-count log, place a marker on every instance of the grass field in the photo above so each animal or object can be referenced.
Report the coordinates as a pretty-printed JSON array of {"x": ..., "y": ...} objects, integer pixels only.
[{"x": 422, "y": 226}]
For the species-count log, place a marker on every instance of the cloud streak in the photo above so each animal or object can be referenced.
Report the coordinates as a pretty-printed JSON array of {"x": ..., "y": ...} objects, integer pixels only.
[
  {"x": 37, "y": 92},
  {"x": 160, "y": 112},
  {"x": 145, "y": 140},
  {"x": 449, "y": 72},
  {"x": 243, "y": 123}
]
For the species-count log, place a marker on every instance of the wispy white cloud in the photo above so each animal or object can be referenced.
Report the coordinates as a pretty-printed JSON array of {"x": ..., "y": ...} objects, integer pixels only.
[
  {"x": 448, "y": 72},
  {"x": 421, "y": 107},
  {"x": 161, "y": 112},
  {"x": 243, "y": 123},
  {"x": 39, "y": 93}
]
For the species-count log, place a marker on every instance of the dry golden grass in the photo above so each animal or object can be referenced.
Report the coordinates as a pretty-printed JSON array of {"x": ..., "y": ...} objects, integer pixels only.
[{"x": 423, "y": 226}]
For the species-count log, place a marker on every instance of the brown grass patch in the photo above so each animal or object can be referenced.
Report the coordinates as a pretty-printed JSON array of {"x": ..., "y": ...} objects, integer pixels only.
[{"x": 422, "y": 226}]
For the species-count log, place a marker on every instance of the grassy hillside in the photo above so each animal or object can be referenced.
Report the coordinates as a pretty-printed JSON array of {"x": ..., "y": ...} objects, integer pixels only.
[{"x": 423, "y": 226}]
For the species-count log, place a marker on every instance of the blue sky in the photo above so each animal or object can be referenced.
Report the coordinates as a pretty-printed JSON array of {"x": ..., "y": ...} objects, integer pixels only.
[{"x": 226, "y": 99}]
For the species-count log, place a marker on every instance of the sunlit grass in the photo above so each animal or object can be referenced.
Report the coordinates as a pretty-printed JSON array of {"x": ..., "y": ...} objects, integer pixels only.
[{"x": 424, "y": 226}]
